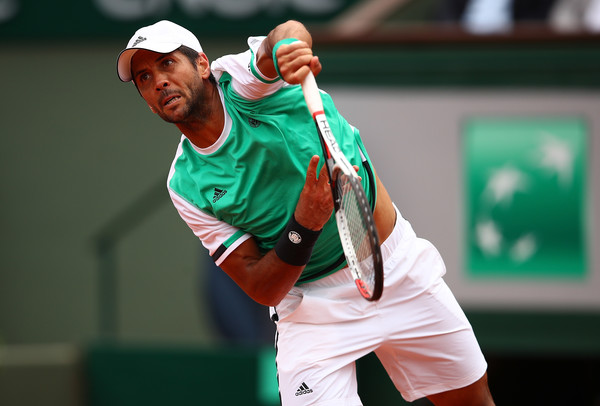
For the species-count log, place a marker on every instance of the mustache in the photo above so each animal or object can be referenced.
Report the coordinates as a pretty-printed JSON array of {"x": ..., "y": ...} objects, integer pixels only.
[{"x": 165, "y": 93}]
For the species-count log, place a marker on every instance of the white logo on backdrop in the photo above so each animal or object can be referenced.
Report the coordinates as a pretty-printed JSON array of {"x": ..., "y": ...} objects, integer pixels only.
[
  {"x": 552, "y": 158},
  {"x": 230, "y": 9},
  {"x": 8, "y": 9}
]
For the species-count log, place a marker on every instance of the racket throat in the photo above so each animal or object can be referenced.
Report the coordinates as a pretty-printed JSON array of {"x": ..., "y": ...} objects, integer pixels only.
[
  {"x": 333, "y": 182},
  {"x": 336, "y": 200}
]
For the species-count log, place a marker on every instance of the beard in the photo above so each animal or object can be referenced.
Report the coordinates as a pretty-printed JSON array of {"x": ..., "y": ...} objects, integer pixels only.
[{"x": 197, "y": 106}]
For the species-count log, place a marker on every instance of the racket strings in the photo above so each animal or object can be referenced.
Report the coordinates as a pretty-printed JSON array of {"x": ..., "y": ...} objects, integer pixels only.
[{"x": 352, "y": 204}]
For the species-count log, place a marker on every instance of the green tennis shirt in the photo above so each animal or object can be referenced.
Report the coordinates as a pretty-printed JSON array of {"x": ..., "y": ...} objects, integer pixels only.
[{"x": 251, "y": 183}]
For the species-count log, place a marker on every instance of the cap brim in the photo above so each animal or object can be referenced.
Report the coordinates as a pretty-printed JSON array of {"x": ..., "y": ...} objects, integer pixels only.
[{"x": 124, "y": 58}]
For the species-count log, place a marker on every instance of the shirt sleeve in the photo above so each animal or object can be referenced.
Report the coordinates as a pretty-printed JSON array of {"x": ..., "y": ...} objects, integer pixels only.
[
  {"x": 247, "y": 80},
  {"x": 218, "y": 237}
]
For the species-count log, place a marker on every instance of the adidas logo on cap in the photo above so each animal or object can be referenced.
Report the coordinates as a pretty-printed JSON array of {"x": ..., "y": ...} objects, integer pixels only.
[{"x": 138, "y": 40}]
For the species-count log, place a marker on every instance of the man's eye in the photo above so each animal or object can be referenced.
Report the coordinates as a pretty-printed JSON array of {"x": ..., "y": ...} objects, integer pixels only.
[
  {"x": 144, "y": 77},
  {"x": 167, "y": 62}
]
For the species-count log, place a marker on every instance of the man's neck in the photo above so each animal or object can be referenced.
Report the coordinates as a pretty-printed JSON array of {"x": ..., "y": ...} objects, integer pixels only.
[{"x": 205, "y": 131}]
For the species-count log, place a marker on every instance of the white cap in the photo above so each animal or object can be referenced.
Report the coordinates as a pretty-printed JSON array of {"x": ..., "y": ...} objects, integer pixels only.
[{"x": 162, "y": 37}]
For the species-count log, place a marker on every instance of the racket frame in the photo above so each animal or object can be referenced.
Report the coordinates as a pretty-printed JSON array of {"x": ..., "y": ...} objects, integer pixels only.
[{"x": 337, "y": 163}]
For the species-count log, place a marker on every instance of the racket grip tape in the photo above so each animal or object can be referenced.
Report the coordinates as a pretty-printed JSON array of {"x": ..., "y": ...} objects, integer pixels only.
[
  {"x": 295, "y": 245},
  {"x": 312, "y": 95}
]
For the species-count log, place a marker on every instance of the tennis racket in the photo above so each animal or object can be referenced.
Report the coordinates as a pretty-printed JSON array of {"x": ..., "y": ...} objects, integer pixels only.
[{"x": 353, "y": 214}]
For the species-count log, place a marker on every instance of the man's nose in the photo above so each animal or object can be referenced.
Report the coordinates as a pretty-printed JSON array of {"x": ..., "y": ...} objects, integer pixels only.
[{"x": 161, "y": 84}]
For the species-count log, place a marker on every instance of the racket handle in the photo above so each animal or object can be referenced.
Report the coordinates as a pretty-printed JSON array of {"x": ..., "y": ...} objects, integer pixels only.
[{"x": 312, "y": 94}]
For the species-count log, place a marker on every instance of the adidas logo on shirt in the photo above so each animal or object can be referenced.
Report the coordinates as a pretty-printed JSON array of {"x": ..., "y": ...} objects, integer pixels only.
[
  {"x": 303, "y": 390},
  {"x": 219, "y": 193},
  {"x": 254, "y": 123}
]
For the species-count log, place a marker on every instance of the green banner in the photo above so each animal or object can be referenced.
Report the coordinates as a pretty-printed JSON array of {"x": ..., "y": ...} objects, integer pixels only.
[{"x": 525, "y": 182}]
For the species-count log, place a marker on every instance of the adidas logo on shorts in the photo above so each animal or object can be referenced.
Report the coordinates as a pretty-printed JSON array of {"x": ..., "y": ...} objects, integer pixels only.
[{"x": 303, "y": 390}]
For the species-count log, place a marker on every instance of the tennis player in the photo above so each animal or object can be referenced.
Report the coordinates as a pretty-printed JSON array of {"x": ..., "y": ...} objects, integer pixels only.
[{"x": 249, "y": 181}]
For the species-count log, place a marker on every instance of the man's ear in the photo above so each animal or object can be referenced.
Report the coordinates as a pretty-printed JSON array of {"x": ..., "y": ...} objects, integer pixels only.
[{"x": 203, "y": 65}]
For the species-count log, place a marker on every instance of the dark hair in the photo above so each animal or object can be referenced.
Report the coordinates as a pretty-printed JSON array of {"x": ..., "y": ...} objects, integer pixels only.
[{"x": 192, "y": 55}]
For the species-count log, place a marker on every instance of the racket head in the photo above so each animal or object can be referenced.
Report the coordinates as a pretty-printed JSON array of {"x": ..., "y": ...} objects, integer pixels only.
[{"x": 358, "y": 233}]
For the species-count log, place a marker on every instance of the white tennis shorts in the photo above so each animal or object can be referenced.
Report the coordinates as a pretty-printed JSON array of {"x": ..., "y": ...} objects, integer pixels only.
[{"x": 417, "y": 330}]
